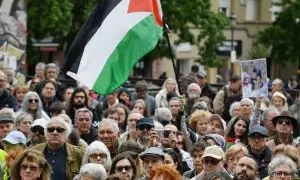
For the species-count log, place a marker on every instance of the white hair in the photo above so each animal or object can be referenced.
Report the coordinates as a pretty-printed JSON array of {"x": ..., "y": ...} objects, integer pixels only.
[
  {"x": 56, "y": 119},
  {"x": 109, "y": 121},
  {"x": 96, "y": 171},
  {"x": 282, "y": 161},
  {"x": 248, "y": 101},
  {"x": 97, "y": 147},
  {"x": 232, "y": 106},
  {"x": 277, "y": 81}
]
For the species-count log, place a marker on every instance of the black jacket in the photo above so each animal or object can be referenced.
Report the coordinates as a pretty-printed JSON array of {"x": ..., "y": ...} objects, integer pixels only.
[
  {"x": 8, "y": 100},
  {"x": 92, "y": 136}
]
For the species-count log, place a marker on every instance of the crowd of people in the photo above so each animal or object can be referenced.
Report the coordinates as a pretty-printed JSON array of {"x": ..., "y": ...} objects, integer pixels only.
[{"x": 49, "y": 130}]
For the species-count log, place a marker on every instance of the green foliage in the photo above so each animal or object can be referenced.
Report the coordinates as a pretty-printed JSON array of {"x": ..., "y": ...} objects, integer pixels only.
[
  {"x": 284, "y": 35},
  {"x": 183, "y": 17}
]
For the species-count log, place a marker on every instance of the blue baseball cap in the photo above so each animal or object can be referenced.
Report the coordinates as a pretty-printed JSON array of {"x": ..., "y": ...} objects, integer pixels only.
[
  {"x": 15, "y": 137},
  {"x": 145, "y": 121},
  {"x": 257, "y": 129}
]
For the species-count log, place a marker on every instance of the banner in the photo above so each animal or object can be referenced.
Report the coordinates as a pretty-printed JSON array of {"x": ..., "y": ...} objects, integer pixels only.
[
  {"x": 13, "y": 32},
  {"x": 254, "y": 78}
]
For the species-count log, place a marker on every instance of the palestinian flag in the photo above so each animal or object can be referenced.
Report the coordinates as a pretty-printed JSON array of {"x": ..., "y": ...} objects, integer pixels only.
[{"x": 116, "y": 35}]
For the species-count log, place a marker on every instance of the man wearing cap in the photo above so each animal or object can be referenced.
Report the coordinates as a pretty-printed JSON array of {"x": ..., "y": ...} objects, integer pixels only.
[
  {"x": 37, "y": 134},
  {"x": 151, "y": 157},
  {"x": 6, "y": 125},
  {"x": 216, "y": 125},
  {"x": 144, "y": 126},
  {"x": 206, "y": 89},
  {"x": 212, "y": 159},
  {"x": 234, "y": 87},
  {"x": 258, "y": 150},
  {"x": 284, "y": 125}
]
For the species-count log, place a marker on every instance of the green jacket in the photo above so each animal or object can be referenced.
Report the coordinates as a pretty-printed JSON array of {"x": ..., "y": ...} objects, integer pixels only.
[{"x": 74, "y": 158}]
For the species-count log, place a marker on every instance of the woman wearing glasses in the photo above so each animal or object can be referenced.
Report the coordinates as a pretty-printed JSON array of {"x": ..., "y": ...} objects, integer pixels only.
[
  {"x": 31, "y": 165},
  {"x": 282, "y": 168},
  {"x": 124, "y": 167},
  {"x": 97, "y": 153},
  {"x": 32, "y": 104}
]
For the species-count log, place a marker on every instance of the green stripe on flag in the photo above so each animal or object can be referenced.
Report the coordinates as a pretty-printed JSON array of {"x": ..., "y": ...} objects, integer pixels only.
[{"x": 140, "y": 40}]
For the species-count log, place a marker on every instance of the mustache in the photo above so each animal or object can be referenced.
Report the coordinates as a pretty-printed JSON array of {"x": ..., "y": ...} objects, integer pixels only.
[{"x": 243, "y": 173}]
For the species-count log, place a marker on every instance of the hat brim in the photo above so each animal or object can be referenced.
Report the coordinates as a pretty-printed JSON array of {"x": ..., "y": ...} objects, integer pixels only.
[
  {"x": 11, "y": 141},
  {"x": 256, "y": 132},
  {"x": 213, "y": 156},
  {"x": 145, "y": 124},
  {"x": 150, "y": 154},
  {"x": 293, "y": 120}
]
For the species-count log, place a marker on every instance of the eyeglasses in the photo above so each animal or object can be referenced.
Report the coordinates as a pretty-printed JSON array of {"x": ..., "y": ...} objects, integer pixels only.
[
  {"x": 24, "y": 167},
  {"x": 121, "y": 168},
  {"x": 33, "y": 100},
  {"x": 212, "y": 161},
  {"x": 38, "y": 129},
  {"x": 96, "y": 155},
  {"x": 287, "y": 122},
  {"x": 144, "y": 126},
  {"x": 281, "y": 173},
  {"x": 57, "y": 129}
]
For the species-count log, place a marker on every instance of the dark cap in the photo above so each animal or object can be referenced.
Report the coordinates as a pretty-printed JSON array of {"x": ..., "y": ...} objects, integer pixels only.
[
  {"x": 257, "y": 129},
  {"x": 235, "y": 78},
  {"x": 6, "y": 119},
  {"x": 130, "y": 146},
  {"x": 285, "y": 115},
  {"x": 202, "y": 73},
  {"x": 152, "y": 151},
  {"x": 145, "y": 121}
]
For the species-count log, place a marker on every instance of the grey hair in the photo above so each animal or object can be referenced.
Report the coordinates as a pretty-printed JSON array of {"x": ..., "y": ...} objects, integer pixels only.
[
  {"x": 109, "y": 121},
  {"x": 67, "y": 119},
  {"x": 162, "y": 114},
  {"x": 195, "y": 85},
  {"x": 232, "y": 106},
  {"x": 3, "y": 74},
  {"x": 51, "y": 66},
  {"x": 40, "y": 64},
  {"x": 97, "y": 147},
  {"x": 9, "y": 68},
  {"x": 266, "y": 112},
  {"x": 96, "y": 171},
  {"x": 281, "y": 161},
  {"x": 248, "y": 100},
  {"x": 84, "y": 110},
  {"x": 277, "y": 81},
  {"x": 25, "y": 104},
  {"x": 21, "y": 117},
  {"x": 60, "y": 119}
]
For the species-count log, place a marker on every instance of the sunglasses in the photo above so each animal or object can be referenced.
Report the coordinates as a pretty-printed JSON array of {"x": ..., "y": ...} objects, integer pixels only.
[
  {"x": 143, "y": 127},
  {"x": 121, "y": 168},
  {"x": 33, "y": 100},
  {"x": 212, "y": 161},
  {"x": 287, "y": 122},
  {"x": 24, "y": 167},
  {"x": 37, "y": 129},
  {"x": 57, "y": 129},
  {"x": 96, "y": 155}
]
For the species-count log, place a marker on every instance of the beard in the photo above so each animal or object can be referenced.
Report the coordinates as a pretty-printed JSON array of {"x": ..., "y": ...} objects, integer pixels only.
[
  {"x": 193, "y": 95},
  {"x": 79, "y": 105}
]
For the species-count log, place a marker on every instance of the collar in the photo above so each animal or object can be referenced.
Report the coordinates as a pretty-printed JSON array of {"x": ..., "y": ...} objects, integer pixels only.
[
  {"x": 277, "y": 141},
  {"x": 116, "y": 103}
]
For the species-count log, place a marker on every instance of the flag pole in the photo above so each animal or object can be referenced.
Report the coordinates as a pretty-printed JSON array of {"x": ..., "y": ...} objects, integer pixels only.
[{"x": 166, "y": 34}]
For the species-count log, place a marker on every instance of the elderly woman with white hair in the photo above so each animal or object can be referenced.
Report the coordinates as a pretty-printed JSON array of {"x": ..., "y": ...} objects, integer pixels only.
[
  {"x": 170, "y": 86},
  {"x": 235, "y": 109},
  {"x": 279, "y": 101},
  {"x": 23, "y": 123},
  {"x": 97, "y": 153},
  {"x": 92, "y": 171},
  {"x": 32, "y": 104},
  {"x": 282, "y": 167}
]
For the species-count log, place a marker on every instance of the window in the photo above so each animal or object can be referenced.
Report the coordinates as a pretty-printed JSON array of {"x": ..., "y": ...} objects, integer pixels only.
[
  {"x": 251, "y": 10},
  {"x": 275, "y": 9},
  {"x": 224, "y": 6}
]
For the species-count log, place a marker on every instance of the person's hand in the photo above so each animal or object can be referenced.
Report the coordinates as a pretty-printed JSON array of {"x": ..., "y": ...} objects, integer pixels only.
[
  {"x": 173, "y": 140},
  {"x": 154, "y": 139},
  {"x": 181, "y": 102}
]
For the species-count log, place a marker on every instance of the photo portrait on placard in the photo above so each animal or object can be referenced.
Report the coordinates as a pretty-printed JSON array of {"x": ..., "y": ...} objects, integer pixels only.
[{"x": 254, "y": 78}]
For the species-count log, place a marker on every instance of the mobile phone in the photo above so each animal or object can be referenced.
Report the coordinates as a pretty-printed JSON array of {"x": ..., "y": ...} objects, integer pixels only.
[{"x": 166, "y": 133}]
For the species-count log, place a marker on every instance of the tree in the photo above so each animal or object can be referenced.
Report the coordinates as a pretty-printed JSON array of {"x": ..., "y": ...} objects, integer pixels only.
[
  {"x": 62, "y": 19},
  {"x": 284, "y": 35}
]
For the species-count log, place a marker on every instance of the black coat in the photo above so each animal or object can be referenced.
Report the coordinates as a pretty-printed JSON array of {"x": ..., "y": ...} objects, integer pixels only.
[{"x": 9, "y": 101}]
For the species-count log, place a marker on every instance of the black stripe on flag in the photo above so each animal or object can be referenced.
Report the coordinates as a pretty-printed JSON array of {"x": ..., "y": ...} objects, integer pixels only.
[{"x": 90, "y": 27}]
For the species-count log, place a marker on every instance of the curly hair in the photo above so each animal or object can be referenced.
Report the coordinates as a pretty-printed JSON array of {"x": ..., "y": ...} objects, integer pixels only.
[
  {"x": 196, "y": 116},
  {"x": 166, "y": 172},
  {"x": 289, "y": 151}
]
